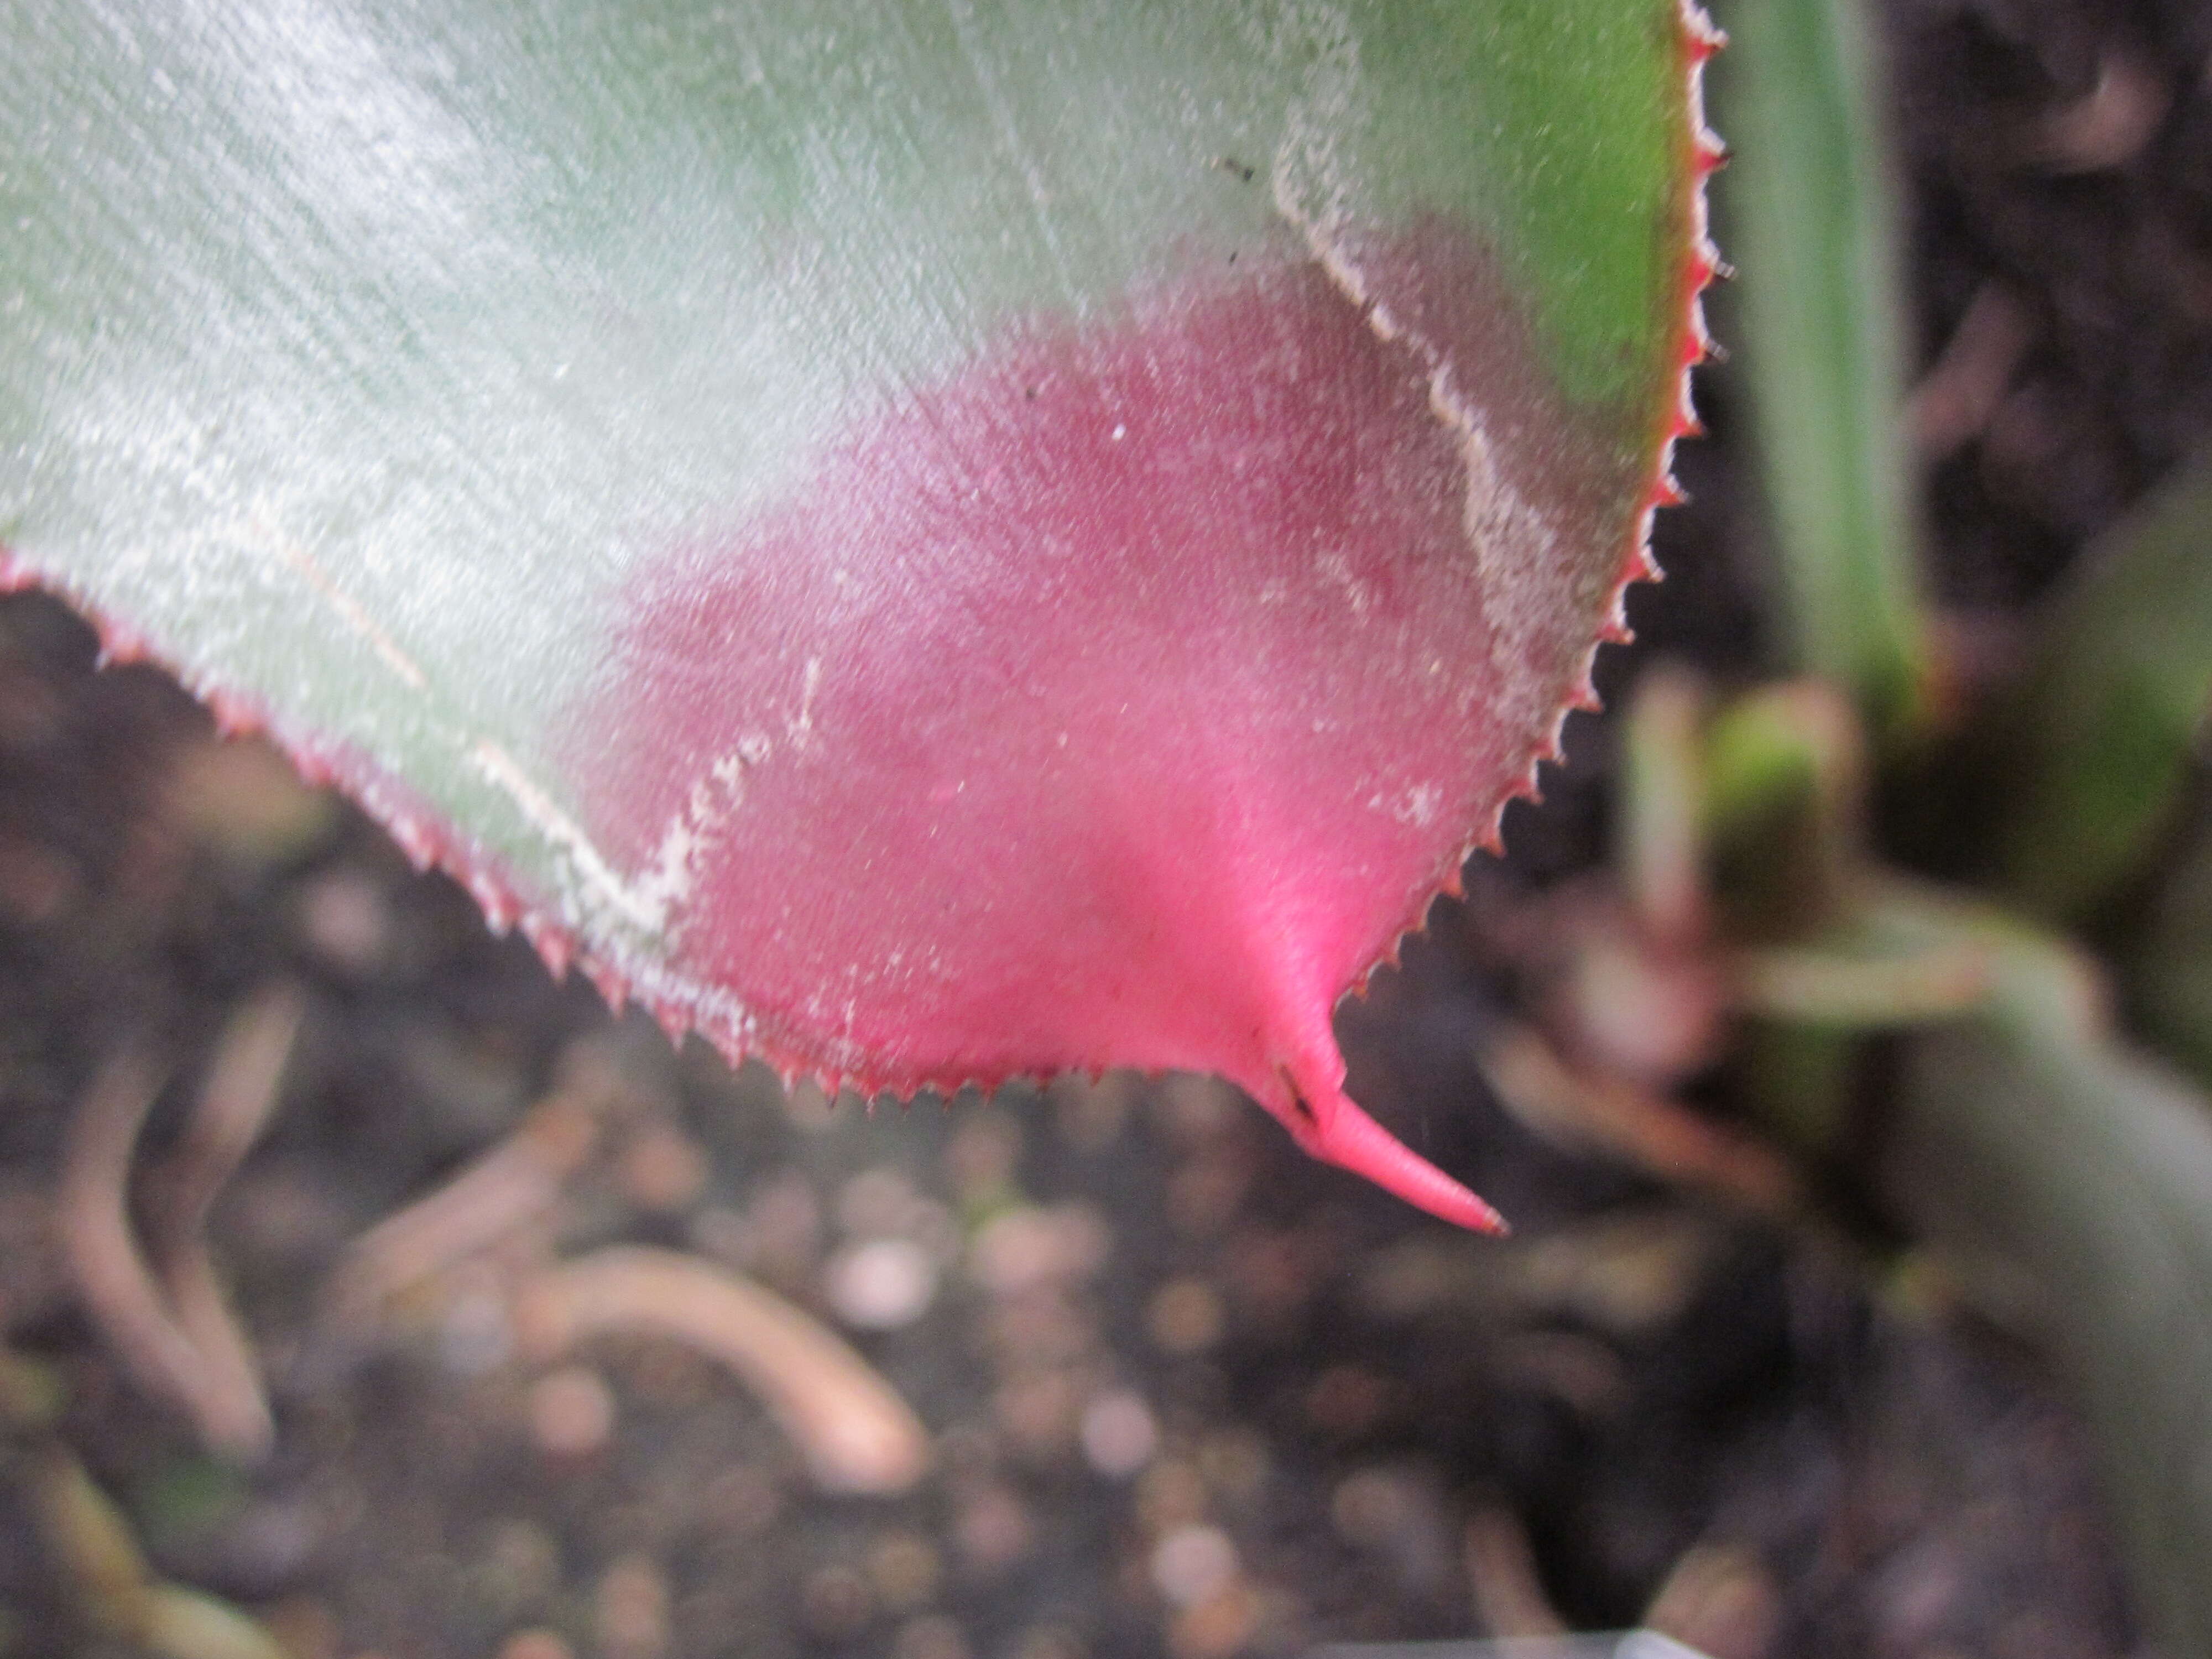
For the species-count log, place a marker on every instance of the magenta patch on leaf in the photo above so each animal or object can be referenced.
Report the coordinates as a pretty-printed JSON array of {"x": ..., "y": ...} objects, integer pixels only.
[{"x": 1118, "y": 702}]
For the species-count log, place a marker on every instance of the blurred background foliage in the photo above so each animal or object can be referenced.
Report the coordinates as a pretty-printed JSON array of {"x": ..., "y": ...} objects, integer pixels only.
[{"x": 2040, "y": 1019}]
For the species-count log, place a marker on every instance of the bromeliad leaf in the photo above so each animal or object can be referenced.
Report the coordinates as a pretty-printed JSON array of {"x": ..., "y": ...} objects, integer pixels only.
[
  {"x": 933, "y": 542},
  {"x": 2094, "y": 751}
]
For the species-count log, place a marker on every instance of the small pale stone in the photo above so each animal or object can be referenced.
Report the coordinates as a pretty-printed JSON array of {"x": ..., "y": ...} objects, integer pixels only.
[
  {"x": 993, "y": 1529},
  {"x": 807, "y": 1107},
  {"x": 346, "y": 921},
  {"x": 1046, "y": 1328},
  {"x": 1721, "y": 1599},
  {"x": 1029, "y": 1247},
  {"x": 880, "y": 1284},
  {"x": 572, "y": 1412},
  {"x": 38, "y": 884},
  {"x": 631, "y": 1610},
  {"x": 1369, "y": 1506},
  {"x": 1118, "y": 1433},
  {"x": 1036, "y": 1410},
  {"x": 1204, "y": 1194},
  {"x": 1192, "y": 1563},
  {"x": 1222, "y": 1625},
  {"x": 662, "y": 1169},
  {"x": 1195, "y": 1110}
]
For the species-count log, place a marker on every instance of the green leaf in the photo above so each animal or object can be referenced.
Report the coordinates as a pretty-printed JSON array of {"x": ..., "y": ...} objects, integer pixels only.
[
  {"x": 2168, "y": 964},
  {"x": 936, "y": 541},
  {"x": 2092, "y": 754},
  {"x": 2031, "y": 1140},
  {"x": 1809, "y": 217}
]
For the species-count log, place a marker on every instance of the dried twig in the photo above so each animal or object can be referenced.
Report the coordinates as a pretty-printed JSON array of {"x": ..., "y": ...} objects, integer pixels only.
[
  {"x": 856, "y": 1434},
  {"x": 234, "y": 1104},
  {"x": 120, "y": 1293},
  {"x": 1580, "y": 1109},
  {"x": 1951, "y": 404},
  {"x": 517, "y": 1181},
  {"x": 1719, "y": 1599},
  {"x": 2110, "y": 124},
  {"x": 1501, "y": 1572},
  {"x": 177, "y": 1333}
]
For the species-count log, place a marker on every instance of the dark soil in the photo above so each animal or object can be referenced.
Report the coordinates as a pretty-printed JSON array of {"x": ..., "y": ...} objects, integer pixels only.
[{"x": 1259, "y": 1406}]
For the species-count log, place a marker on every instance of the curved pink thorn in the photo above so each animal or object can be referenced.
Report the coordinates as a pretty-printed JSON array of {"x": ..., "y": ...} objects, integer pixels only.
[{"x": 1326, "y": 1125}]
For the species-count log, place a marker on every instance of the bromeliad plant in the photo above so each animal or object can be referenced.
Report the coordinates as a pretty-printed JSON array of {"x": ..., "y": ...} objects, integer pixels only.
[
  {"x": 929, "y": 544},
  {"x": 935, "y": 544}
]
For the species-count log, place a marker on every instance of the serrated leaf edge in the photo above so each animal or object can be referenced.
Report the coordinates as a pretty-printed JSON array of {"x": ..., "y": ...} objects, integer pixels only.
[{"x": 682, "y": 1005}]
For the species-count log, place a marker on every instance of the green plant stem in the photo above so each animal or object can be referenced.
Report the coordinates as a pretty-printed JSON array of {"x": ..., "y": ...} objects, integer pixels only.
[{"x": 1810, "y": 219}]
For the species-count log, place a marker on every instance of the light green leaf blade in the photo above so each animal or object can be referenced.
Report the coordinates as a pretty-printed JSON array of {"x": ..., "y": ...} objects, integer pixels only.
[
  {"x": 1809, "y": 217},
  {"x": 2030, "y": 1139},
  {"x": 2090, "y": 756}
]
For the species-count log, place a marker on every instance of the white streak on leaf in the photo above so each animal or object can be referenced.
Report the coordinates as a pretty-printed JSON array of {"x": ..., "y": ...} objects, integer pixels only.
[
  {"x": 637, "y": 902},
  {"x": 801, "y": 727}
]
